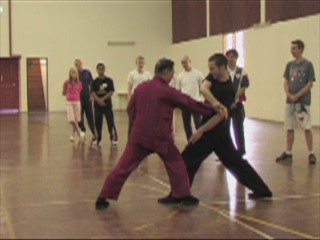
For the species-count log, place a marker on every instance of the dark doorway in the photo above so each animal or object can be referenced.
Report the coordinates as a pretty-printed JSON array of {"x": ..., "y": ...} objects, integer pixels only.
[
  {"x": 37, "y": 81},
  {"x": 9, "y": 84}
]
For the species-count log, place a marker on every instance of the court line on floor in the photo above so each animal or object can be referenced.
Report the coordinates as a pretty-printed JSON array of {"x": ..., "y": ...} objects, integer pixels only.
[
  {"x": 228, "y": 214},
  {"x": 258, "y": 232}
]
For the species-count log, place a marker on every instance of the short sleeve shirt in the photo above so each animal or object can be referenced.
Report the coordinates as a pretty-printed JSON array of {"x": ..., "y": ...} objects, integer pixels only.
[
  {"x": 101, "y": 87},
  {"x": 72, "y": 90},
  {"x": 298, "y": 76},
  {"x": 135, "y": 78}
]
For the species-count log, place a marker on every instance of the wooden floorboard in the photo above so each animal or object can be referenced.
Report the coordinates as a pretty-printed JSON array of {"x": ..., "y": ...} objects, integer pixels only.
[{"x": 49, "y": 185}]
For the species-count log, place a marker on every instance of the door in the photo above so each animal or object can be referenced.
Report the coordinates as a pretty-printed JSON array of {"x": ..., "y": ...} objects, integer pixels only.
[
  {"x": 37, "y": 84},
  {"x": 9, "y": 84}
]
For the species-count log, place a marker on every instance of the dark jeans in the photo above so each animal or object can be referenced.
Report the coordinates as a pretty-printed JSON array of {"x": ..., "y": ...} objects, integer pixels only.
[
  {"x": 220, "y": 142},
  {"x": 86, "y": 107},
  {"x": 186, "y": 117},
  {"x": 237, "y": 117},
  {"x": 108, "y": 113}
]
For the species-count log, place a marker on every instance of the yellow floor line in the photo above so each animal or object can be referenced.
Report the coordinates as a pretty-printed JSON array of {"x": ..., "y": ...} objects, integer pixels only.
[
  {"x": 227, "y": 214},
  {"x": 277, "y": 226}
]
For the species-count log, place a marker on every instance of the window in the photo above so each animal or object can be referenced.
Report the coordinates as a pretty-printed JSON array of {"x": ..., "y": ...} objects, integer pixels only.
[{"x": 235, "y": 40}]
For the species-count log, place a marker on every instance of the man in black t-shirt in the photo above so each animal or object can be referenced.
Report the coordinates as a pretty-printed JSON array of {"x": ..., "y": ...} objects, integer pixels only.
[
  {"x": 214, "y": 136},
  {"x": 102, "y": 90}
]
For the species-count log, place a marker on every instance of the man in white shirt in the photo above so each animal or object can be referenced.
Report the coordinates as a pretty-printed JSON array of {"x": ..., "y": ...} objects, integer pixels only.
[
  {"x": 189, "y": 82},
  {"x": 136, "y": 77}
]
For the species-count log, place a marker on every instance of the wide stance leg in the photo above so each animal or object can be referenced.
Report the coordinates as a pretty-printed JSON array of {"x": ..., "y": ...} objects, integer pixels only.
[
  {"x": 176, "y": 169},
  {"x": 240, "y": 168},
  {"x": 130, "y": 159}
]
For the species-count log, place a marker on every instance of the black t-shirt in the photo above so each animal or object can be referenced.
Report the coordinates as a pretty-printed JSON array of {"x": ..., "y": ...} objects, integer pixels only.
[
  {"x": 101, "y": 87},
  {"x": 224, "y": 93}
]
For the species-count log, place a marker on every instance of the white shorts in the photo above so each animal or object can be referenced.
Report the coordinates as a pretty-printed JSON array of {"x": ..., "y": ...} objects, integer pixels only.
[
  {"x": 73, "y": 111},
  {"x": 291, "y": 120}
]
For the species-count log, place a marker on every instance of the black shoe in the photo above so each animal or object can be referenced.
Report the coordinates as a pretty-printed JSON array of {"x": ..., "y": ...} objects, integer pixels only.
[
  {"x": 169, "y": 200},
  {"x": 284, "y": 157},
  {"x": 101, "y": 203},
  {"x": 260, "y": 195},
  {"x": 189, "y": 200},
  {"x": 312, "y": 158}
]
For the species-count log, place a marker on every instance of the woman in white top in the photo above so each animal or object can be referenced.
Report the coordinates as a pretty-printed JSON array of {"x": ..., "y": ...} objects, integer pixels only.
[{"x": 136, "y": 77}]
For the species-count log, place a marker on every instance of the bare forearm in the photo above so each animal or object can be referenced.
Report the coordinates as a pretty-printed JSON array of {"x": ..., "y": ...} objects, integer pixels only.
[
  {"x": 286, "y": 88},
  {"x": 304, "y": 90},
  {"x": 211, "y": 123},
  {"x": 95, "y": 97},
  {"x": 109, "y": 95}
]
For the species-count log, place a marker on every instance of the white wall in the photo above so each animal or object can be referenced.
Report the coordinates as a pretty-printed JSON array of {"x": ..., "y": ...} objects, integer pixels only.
[
  {"x": 198, "y": 50},
  {"x": 267, "y": 52},
  {"x": 65, "y": 30},
  {"x": 4, "y": 29}
]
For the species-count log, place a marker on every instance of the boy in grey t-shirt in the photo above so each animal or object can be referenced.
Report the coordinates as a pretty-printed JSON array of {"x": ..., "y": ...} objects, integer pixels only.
[{"x": 299, "y": 77}]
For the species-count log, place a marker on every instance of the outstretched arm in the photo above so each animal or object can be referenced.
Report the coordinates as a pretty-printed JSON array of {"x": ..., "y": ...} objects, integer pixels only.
[{"x": 213, "y": 121}]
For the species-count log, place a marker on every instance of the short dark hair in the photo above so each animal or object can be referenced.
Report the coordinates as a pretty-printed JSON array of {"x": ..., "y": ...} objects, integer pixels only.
[
  {"x": 100, "y": 65},
  {"x": 162, "y": 65},
  {"x": 299, "y": 43},
  {"x": 219, "y": 59},
  {"x": 234, "y": 52}
]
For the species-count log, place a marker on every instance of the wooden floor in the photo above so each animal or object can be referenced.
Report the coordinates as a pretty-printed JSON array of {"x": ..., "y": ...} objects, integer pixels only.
[{"x": 49, "y": 186}]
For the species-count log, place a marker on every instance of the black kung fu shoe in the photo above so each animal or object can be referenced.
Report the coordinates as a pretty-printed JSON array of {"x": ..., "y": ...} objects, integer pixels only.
[
  {"x": 101, "y": 203},
  {"x": 265, "y": 195},
  {"x": 188, "y": 200}
]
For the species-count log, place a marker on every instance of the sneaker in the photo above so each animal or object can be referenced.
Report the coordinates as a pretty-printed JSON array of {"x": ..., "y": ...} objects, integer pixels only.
[
  {"x": 82, "y": 136},
  {"x": 284, "y": 157},
  {"x": 72, "y": 139},
  {"x": 101, "y": 203},
  {"x": 312, "y": 158},
  {"x": 260, "y": 195}
]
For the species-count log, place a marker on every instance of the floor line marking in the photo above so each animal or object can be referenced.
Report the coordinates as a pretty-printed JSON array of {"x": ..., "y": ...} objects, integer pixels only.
[{"x": 228, "y": 214}]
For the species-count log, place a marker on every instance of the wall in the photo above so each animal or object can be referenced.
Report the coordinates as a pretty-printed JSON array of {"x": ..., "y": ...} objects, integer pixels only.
[
  {"x": 4, "y": 29},
  {"x": 65, "y": 30},
  {"x": 267, "y": 52}
]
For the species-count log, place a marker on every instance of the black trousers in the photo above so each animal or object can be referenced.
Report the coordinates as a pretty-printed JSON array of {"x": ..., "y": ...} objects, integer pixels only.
[
  {"x": 220, "y": 142},
  {"x": 186, "y": 117},
  {"x": 107, "y": 112},
  {"x": 238, "y": 116},
  {"x": 86, "y": 107}
]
